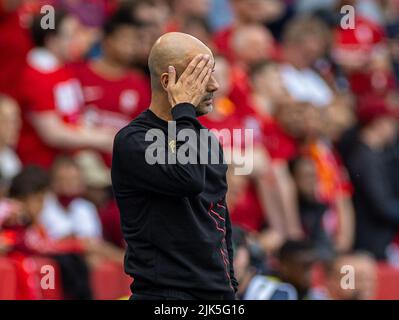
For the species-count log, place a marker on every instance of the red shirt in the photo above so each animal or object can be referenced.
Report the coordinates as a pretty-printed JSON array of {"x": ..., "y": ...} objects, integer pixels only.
[
  {"x": 15, "y": 43},
  {"x": 46, "y": 86},
  {"x": 222, "y": 42},
  {"x": 112, "y": 103},
  {"x": 247, "y": 212},
  {"x": 279, "y": 144}
]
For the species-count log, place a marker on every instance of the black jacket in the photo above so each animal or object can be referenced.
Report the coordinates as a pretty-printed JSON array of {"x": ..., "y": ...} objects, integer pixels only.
[
  {"x": 377, "y": 208},
  {"x": 174, "y": 216}
]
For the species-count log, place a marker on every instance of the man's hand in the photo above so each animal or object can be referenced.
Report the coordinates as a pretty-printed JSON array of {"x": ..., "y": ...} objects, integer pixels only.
[{"x": 191, "y": 86}]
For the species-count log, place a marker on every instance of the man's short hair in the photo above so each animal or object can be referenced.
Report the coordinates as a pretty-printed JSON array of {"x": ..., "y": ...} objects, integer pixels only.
[
  {"x": 122, "y": 17},
  {"x": 291, "y": 248},
  {"x": 31, "y": 180}
]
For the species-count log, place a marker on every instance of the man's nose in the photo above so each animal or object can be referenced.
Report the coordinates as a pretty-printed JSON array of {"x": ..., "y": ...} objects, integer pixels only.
[{"x": 213, "y": 85}]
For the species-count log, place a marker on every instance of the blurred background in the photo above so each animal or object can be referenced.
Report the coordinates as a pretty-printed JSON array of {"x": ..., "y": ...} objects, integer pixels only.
[{"x": 322, "y": 101}]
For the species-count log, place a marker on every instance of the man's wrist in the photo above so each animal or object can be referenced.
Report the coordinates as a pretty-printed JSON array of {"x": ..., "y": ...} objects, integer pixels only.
[{"x": 184, "y": 109}]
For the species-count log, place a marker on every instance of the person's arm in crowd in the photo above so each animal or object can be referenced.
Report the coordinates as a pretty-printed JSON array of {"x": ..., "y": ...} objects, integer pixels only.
[
  {"x": 370, "y": 182},
  {"x": 346, "y": 218},
  {"x": 261, "y": 174},
  {"x": 266, "y": 190},
  {"x": 55, "y": 133},
  {"x": 131, "y": 148},
  {"x": 103, "y": 250},
  {"x": 286, "y": 190}
]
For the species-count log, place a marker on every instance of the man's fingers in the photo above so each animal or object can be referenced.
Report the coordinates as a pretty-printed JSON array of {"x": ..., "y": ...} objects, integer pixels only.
[
  {"x": 191, "y": 67},
  {"x": 171, "y": 76},
  {"x": 200, "y": 67},
  {"x": 207, "y": 77},
  {"x": 208, "y": 68}
]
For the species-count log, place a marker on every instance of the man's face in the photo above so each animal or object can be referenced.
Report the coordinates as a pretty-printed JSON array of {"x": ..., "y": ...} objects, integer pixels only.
[
  {"x": 206, "y": 104},
  {"x": 365, "y": 279},
  {"x": 33, "y": 204},
  {"x": 71, "y": 41},
  {"x": 298, "y": 270},
  {"x": 313, "y": 48},
  {"x": 122, "y": 45},
  {"x": 67, "y": 181},
  {"x": 249, "y": 10},
  {"x": 241, "y": 262},
  {"x": 196, "y": 8}
]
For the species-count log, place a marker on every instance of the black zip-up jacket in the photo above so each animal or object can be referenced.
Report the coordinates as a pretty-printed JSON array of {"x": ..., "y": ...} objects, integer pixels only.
[{"x": 174, "y": 216}]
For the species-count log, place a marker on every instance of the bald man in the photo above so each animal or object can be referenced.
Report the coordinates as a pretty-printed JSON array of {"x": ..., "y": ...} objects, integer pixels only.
[{"x": 173, "y": 214}]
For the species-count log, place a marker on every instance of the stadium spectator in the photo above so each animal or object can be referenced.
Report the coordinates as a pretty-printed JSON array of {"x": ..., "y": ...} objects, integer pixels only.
[
  {"x": 51, "y": 98},
  {"x": 153, "y": 16},
  {"x": 377, "y": 207},
  {"x": 113, "y": 93},
  {"x": 268, "y": 98},
  {"x": 66, "y": 213},
  {"x": 98, "y": 191},
  {"x": 361, "y": 287},
  {"x": 296, "y": 260},
  {"x": 305, "y": 40},
  {"x": 246, "y": 12},
  {"x": 183, "y": 10},
  {"x": 29, "y": 238},
  {"x": 252, "y": 284},
  {"x": 312, "y": 211}
]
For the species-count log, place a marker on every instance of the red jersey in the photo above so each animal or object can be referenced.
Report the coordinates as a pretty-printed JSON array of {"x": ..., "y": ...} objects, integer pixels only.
[
  {"x": 247, "y": 212},
  {"x": 15, "y": 42},
  {"x": 279, "y": 144},
  {"x": 222, "y": 42},
  {"x": 46, "y": 86},
  {"x": 112, "y": 103}
]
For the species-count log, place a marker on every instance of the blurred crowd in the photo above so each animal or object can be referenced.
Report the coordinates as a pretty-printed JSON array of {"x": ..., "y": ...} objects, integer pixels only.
[{"x": 321, "y": 100}]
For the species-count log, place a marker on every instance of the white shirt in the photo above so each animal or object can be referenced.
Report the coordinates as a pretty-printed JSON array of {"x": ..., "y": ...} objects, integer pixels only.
[
  {"x": 80, "y": 219},
  {"x": 306, "y": 85}
]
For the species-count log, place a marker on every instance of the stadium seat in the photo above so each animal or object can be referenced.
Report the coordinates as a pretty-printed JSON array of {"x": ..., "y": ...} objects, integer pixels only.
[
  {"x": 109, "y": 282},
  {"x": 57, "y": 292},
  {"x": 388, "y": 282}
]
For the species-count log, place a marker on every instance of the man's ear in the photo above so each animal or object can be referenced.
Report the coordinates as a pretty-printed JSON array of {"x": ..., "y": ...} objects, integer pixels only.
[{"x": 164, "y": 81}]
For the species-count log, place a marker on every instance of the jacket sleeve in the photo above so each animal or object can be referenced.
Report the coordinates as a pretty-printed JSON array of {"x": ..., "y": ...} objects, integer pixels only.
[{"x": 131, "y": 150}]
